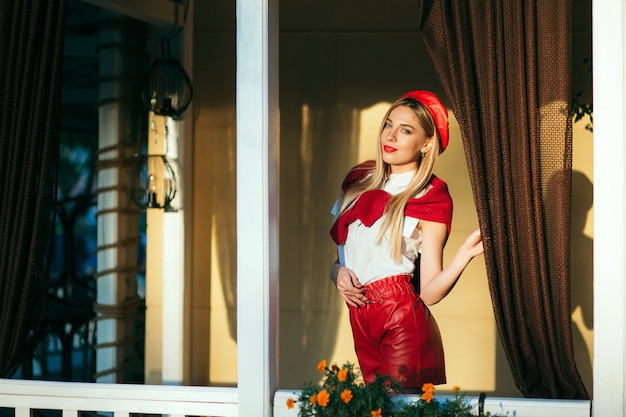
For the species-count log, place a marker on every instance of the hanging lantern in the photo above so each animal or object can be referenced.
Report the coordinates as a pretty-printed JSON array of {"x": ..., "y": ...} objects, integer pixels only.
[
  {"x": 153, "y": 182},
  {"x": 167, "y": 90},
  {"x": 166, "y": 93}
]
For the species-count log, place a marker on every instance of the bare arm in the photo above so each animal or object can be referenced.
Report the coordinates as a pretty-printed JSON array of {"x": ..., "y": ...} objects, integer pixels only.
[
  {"x": 348, "y": 286},
  {"x": 436, "y": 281}
]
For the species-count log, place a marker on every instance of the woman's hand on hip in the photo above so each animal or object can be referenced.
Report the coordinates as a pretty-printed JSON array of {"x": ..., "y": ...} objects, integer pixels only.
[{"x": 349, "y": 287}]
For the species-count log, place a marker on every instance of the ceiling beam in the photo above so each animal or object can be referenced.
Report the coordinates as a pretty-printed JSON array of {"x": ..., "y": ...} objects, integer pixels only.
[{"x": 156, "y": 12}]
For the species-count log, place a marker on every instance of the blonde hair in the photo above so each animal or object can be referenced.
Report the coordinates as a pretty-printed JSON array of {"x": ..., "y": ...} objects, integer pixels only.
[{"x": 393, "y": 220}]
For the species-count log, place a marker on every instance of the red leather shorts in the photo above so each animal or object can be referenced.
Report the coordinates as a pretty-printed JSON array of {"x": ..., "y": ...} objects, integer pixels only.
[{"x": 396, "y": 334}]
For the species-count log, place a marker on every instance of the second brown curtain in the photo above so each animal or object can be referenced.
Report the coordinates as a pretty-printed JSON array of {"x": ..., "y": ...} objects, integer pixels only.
[{"x": 506, "y": 69}]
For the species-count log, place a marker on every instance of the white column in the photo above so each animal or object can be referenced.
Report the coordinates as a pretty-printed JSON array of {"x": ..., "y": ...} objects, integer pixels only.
[
  {"x": 175, "y": 331},
  {"x": 173, "y": 275},
  {"x": 155, "y": 249},
  {"x": 609, "y": 211},
  {"x": 165, "y": 270},
  {"x": 257, "y": 204},
  {"x": 185, "y": 150},
  {"x": 117, "y": 223}
]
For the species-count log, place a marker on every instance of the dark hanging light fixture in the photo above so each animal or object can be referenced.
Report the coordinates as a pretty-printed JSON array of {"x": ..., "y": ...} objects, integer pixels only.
[
  {"x": 153, "y": 178},
  {"x": 167, "y": 90},
  {"x": 153, "y": 182}
]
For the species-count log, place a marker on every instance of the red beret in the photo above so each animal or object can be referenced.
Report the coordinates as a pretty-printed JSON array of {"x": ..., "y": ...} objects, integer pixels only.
[{"x": 436, "y": 109}]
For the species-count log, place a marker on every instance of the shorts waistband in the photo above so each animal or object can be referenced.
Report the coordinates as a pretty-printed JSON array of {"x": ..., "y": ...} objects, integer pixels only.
[{"x": 378, "y": 290}]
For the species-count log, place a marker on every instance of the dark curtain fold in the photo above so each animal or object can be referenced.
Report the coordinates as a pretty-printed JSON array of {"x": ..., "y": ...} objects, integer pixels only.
[
  {"x": 31, "y": 54},
  {"x": 506, "y": 69}
]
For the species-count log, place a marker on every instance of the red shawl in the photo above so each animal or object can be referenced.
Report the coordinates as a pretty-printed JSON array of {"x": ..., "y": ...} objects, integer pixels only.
[{"x": 435, "y": 205}]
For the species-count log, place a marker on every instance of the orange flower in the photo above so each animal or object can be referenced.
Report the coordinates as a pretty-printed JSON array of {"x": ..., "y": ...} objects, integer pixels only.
[
  {"x": 346, "y": 396},
  {"x": 428, "y": 390},
  {"x": 427, "y": 396},
  {"x": 342, "y": 375},
  {"x": 456, "y": 388},
  {"x": 377, "y": 413},
  {"x": 290, "y": 403},
  {"x": 428, "y": 387},
  {"x": 323, "y": 397},
  {"x": 321, "y": 367},
  {"x": 313, "y": 399}
]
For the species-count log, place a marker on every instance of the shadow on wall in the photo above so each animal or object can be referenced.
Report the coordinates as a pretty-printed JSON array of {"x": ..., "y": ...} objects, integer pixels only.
[
  {"x": 315, "y": 145},
  {"x": 582, "y": 275}
]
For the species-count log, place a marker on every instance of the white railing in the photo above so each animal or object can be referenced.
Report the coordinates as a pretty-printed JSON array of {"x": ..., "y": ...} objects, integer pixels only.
[
  {"x": 119, "y": 399},
  {"x": 123, "y": 399}
]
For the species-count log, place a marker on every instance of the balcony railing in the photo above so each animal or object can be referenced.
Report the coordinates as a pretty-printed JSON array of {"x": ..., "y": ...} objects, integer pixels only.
[
  {"x": 122, "y": 400},
  {"x": 119, "y": 399}
]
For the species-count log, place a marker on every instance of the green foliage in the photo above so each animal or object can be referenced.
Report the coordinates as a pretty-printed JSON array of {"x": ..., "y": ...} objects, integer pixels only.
[
  {"x": 580, "y": 109},
  {"x": 456, "y": 407},
  {"x": 77, "y": 154},
  {"x": 343, "y": 394}
]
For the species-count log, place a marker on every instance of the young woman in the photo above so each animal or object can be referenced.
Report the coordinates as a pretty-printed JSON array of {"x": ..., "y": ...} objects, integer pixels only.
[{"x": 393, "y": 221}]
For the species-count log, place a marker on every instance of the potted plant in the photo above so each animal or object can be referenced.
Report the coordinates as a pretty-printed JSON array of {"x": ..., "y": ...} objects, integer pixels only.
[{"x": 342, "y": 393}]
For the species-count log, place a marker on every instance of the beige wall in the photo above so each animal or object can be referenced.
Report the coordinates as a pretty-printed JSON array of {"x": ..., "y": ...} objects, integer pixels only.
[
  {"x": 582, "y": 251},
  {"x": 339, "y": 68}
]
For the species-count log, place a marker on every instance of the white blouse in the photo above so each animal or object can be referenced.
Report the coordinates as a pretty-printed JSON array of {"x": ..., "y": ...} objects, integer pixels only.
[{"x": 371, "y": 261}]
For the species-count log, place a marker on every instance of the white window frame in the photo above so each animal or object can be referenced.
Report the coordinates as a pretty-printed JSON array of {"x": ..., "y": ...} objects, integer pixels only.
[{"x": 608, "y": 37}]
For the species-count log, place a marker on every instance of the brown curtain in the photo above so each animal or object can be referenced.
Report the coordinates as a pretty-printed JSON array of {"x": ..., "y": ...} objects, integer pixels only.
[
  {"x": 506, "y": 70},
  {"x": 31, "y": 53}
]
